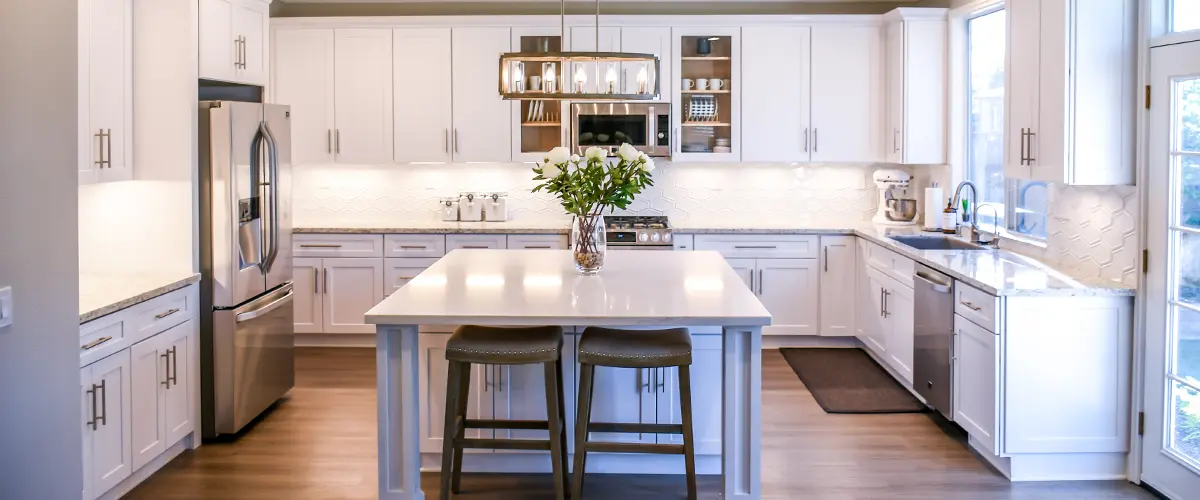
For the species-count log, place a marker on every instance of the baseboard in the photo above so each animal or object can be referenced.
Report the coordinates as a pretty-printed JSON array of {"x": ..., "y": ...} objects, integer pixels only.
[
  {"x": 144, "y": 473},
  {"x": 1035, "y": 467},
  {"x": 335, "y": 340},
  {"x": 597, "y": 463},
  {"x": 778, "y": 341}
]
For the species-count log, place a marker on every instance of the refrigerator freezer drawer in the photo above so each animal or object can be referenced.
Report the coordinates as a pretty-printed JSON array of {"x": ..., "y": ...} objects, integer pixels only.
[{"x": 252, "y": 358}]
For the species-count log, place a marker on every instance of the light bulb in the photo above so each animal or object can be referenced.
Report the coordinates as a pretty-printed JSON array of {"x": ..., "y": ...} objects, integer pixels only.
[
  {"x": 580, "y": 79},
  {"x": 641, "y": 80},
  {"x": 611, "y": 78}
]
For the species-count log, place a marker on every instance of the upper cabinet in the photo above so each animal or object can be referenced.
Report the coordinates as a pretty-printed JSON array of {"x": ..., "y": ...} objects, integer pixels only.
[
  {"x": 105, "y": 91},
  {"x": 422, "y": 106},
  {"x": 915, "y": 43},
  {"x": 847, "y": 81},
  {"x": 649, "y": 40},
  {"x": 1071, "y": 79},
  {"x": 706, "y": 68},
  {"x": 776, "y": 66},
  {"x": 482, "y": 129},
  {"x": 233, "y": 40},
  {"x": 339, "y": 86},
  {"x": 538, "y": 126}
]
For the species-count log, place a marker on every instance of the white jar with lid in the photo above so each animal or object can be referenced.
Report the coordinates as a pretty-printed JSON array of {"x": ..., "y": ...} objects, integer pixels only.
[
  {"x": 448, "y": 207},
  {"x": 470, "y": 207},
  {"x": 495, "y": 207}
]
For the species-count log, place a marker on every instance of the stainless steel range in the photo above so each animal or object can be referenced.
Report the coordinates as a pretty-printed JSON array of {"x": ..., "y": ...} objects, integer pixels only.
[{"x": 638, "y": 232}]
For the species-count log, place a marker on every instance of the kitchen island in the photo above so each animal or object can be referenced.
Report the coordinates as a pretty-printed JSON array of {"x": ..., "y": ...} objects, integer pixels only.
[{"x": 541, "y": 287}]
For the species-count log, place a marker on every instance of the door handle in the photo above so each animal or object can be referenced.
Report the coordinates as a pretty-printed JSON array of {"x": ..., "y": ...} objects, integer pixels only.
[
  {"x": 454, "y": 137},
  {"x": 325, "y": 279},
  {"x": 760, "y": 281},
  {"x": 446, "y": 140},
  {"x": 319, "y": 245},
  {"x": 102, "y": 417},
  {"x": 806, "y": 140},
  {"x": 755, "y": 247},
  {"x": 475, "y": 247},
  {"x": 895, "y": 140},
  {"x": 166, "y": 356},
  {"x": 245, "y": 54},
  {"x": 543, "y": 247},
  {"x": 1022, "y": 145},
  {"x": 337, "y": 141},
  {"x": 95, "y": 421},
  {"x": 108, "y": 139},
  {"x": 166, "y": 313},
  {"x": 752, "y": 289},
  {"x": 676, "y": 140},
  {"x": 487, "y": 377},
  {"x": 174, "y": 366},
  {"x": 644, "y": 374},
  {"x": 90, "y": 345},
  {"x": 329, "y": 141},
  {"x": 816, "y": 141},
  {"x": 276, "y": 304},
  {"x": 1029, "y": 134},
  {"x": 499, "y": 378},
  {"x": 881, "y": 303},
  {"x": 886, "y": 294},
  {"x": 826, "y": 259},
  {"x": 316, "y": 282},
  {"x": 970, "y": 306},
  {"x": 413, "y": 247}
]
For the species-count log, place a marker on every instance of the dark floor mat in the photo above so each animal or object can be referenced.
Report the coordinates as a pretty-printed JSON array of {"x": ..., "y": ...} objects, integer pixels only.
[{"x": 849, "y": 381}]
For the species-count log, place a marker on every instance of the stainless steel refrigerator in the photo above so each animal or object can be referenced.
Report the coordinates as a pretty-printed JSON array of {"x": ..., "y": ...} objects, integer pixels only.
[{"x": 246, "y": 260}]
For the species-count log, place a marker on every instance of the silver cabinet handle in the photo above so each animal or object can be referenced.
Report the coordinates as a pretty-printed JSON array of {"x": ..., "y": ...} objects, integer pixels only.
[
  {"x": 970, "y": 306},
  {"x": 166, "y": 356},
  {"x": 886, "y": 294},
  {"x": 1023, "y": 159},
  {"x": 237, "y": 52},
  {"x": 88, "y": 346},
  {"x": 1029, "y": 134},
  {"x": 826, "y": 259},
  {"x": 245, "y": 54},
  {"x": 337, "y": 141},
  {"x": 413, "y": 247},
  {"x": 99, "y": 135},
  {"x": 455, "y": 140},
  {"x": 662, "y": 381},
  {"x": 487, "y": 378},
  {"x": 816, "y": 140},
  {"x": 108, "y": 161},
  {"x": 531, "y": 247},
  {"x": 446, "y": 140},
  {"x": 319, "y": 245},
  {"x": 755, "y": 247},
  {"x": 325, "y": 279},
  {"x": 760, "y": 281},
  {"x": 806, "y": 139},
  {"x": 895, "y": 140},
  {"x": 316, "y": 282},
  {"x": 166, "y": 313},
  {"x": 677, "y": 139},
  {"x": 500, "y": 378},
  {"x": 881, "y": 292},
  {"x": 174, "y": 366},
  {"x": 644, "y": 376},
  {"x": 752, "y": 282},
  {"x": 475, "y": 247},
  {"x": 329, "y": 141},
  {"x": 96, "y": 417}
]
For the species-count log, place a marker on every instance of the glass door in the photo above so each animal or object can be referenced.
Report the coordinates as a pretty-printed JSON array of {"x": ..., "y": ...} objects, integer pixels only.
[
  {"x": 538, "y": 126},
  {"x": 1171, "y": 446},
  {"x": 706, "y": 102}
]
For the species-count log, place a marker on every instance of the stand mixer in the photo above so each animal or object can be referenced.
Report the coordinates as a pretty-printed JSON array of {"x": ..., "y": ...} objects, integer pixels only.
[{"x": 896, "y": 206}]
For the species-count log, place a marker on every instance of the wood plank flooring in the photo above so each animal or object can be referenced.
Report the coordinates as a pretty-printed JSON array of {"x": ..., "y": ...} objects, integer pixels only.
[{"x": 320, "y": 444}]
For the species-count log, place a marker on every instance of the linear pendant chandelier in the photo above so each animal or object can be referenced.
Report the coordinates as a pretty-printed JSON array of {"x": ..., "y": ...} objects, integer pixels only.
[{"x": 578, "y": 76}]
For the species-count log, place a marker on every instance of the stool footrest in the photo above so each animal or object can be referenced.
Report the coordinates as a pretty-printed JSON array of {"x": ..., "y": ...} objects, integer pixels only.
[
  {"x": 504, "y": 444},
  {"x": 535, "y": 425},
  {"x": 661, "y": 449},
  {"x": 635, "y": 428}
]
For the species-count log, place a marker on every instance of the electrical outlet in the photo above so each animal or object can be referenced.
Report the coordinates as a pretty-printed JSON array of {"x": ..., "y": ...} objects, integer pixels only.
[{"x": 6, "y": 307}]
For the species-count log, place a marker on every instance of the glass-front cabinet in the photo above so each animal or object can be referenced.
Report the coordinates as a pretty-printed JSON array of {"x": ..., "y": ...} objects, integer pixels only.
[
  {"x": 706, "y": 65},
  {"x": 538, "y": 125}
]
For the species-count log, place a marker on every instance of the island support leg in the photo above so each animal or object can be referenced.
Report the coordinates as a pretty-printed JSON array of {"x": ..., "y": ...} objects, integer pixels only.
[
  {"x": 741, "y": 434},
  {"x": 396, "y": 368}
]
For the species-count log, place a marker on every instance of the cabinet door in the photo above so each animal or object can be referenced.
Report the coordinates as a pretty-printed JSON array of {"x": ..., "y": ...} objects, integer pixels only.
[
  {"x": 303, "y": 79},
  {"x": 894, "y": 49},
  {"x": 398, "y": 272},
  {"x": 921, "y": 137},
  {"x": 110, "y": 88},
  {"x": 351, "y": 287},
  {"x": 1021, "y": 85},
  {"x": 976, "y": 365},
  {"x": 648, "y": 40},
  {"x": 862, "y": 293},
  {"x": 178, "y": 413},
  {"x": 306, "y": 282},
  {"x": 148, "y": 372},
  {"x": 519, "y": 394},
  {"x": 433, "y": 367},
  {"x": 362, "y": 96},
  {"x": 217, "y": 50},
  {"x": 775, "y": 93},
  {"x": 746, "y": 268},
  {"x": 898, "y": 309},
  {"x": 109, "y": 401},
  {"x": 482, "y": 120},
  {"x": 877, "y": 329},
  {"x": 846, "y": 93},
  {"x": 251, "y": 19},
  {"x": 583, "y": 39},
  {"x": 838, "y": 264},
  {"x": 707, "y": 385},
  {"x": 422, "y": 110},
  {"x": 790, "y": 289},
  {"x": 624, "y": 395}
]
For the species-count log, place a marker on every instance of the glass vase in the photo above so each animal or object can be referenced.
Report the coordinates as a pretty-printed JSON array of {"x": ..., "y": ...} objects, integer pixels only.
[{"x": 588, "y": 243}]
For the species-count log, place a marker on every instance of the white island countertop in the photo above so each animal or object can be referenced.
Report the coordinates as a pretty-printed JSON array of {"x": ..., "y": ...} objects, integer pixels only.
[{"x": 542, "y": 287}]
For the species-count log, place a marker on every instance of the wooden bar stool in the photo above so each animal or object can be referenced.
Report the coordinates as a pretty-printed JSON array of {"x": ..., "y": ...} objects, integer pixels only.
[
  {"x": 503, "y": 346},
  {"x": 633, "y": 349}
]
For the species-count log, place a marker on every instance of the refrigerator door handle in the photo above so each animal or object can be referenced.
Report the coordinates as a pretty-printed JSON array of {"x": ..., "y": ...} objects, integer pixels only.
[
  {"x": 273, "y": 188},
  {"x": 256, "y": 184},
  {"x": 273, "y": 305}
]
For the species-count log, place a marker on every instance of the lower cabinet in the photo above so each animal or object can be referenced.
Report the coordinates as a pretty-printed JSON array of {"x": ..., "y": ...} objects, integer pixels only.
[
  {"x": 706, "y": 373},
  {"x": 333, "y": 294},
  {"x": 789, "y": 288},
  {"x": 107, "y": 426},
  {"x": 839, "y": 258},
  {"x": 888, "y": 325},
  {"x": 397, "y": 272},
  {"x": 976, "y": 363},
  {"x": 161, "y": 398}
]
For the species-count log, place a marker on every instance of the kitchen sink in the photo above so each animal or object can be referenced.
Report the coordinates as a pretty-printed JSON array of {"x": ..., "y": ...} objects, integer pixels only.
[{"x": 936, "y": 243}]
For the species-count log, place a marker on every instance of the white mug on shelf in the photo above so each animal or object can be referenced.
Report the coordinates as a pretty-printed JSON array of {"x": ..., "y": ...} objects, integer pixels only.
[
  {"x": 689, "y": 84},
  {"x": 716, "y": 83},
  {"x": 701, "y": 84}
]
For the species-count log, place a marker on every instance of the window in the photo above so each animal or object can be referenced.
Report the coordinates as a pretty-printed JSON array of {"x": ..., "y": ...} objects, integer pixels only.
[
  {"x": 1185, "y": 15},
  {"x": 1019, "y": 206}
]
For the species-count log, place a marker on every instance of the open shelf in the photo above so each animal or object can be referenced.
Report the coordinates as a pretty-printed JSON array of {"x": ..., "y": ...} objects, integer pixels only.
[
  {"x": 705, "y": 124},
  {"x": 704, "y": 58},
  {"x": 722, "y": 91},
  {"x": 541, "y": 124}
]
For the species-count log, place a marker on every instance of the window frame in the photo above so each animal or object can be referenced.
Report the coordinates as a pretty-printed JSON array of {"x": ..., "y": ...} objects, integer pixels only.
[{"x": 1004, "y": 207}]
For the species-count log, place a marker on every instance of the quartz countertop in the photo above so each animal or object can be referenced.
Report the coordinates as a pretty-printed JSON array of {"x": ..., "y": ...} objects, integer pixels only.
[
  {"x": 428, "y": 226},
  {"x": 103, "y": 294},
  {"x": 542, "y": 287}
]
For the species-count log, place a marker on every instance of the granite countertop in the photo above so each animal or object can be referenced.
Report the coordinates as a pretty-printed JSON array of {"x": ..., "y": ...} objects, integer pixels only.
[
  {"x": 429, "y": 226},
  {"x": 103, "y": 294}
]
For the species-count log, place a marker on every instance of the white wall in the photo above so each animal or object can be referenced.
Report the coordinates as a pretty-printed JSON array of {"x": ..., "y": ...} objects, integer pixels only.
[{"x": 40, "y": 428}]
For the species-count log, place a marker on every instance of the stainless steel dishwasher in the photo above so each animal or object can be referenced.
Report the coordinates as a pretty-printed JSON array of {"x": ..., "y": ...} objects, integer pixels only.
[{"x": 933, "y": 342}]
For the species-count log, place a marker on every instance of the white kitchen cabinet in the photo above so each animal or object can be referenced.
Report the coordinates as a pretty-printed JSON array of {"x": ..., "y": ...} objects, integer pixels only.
[
  {"x": 179, "y": 403},
  {"x": 350, "y": 287},
  {"x": 775, "y": 93},
  {"x": 433, "y": 367},
  {"x": 746, "y": 269},
  {"x": 106, "y": 90},
  {"x": 648, "y": 40},
  {"x": 724, "y": 61},
  {"x": 876, "y": 328},
  {"x": 899, "y": 311},
  {"x": 306, "y": 289},
  {"x": 303, "y": 78},
  {"x": 108, "y": 424},
  {"x": 537, "y": 242},
  {"x": 847, "y": 91},
  {"x": 533, "y": 137},
  {"x": 976, "y": 373},
  {"x": 1070, "y": 79},
  {"x": 160, "y": 392},
  {"x": 482, "y": 129},
  {"x": 624, "y": 395},
  {"x": 706, "y": 373},
  {"x": 915, "y": 46},
  {"x": 476, "y": 242},
  {"x": 398, "y": 272},
  {"x": 519, "y": 393},
  {"x": 790, "y": 290},
  {"x": 864, "y": 312},
  {"x": 839, "y": 262},
  {"x": 422, "y": 100},
  {"x": 233, "y": 40},
  {"x": 363, "y": 96}
]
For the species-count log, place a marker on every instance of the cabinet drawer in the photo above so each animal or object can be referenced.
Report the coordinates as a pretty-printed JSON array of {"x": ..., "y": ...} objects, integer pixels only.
[
  {"x": 892, "y": 264},
  {"x": 976, "y": 305},
  {"x": 476, "y": 241},
  {"x": 414, "y": 245},
  {"x": 337, "y": 245},
  {"x": 537, "y": 241},
  {"x": 398, "y": 272},
  {"x": 99, "y": 338},
  {"x": 761, "y": 246},
  {"x": 162, "y": 313}
]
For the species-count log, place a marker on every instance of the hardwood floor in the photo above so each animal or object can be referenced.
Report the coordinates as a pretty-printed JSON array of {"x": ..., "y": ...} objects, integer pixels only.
[{"x": 320, "y": 444}]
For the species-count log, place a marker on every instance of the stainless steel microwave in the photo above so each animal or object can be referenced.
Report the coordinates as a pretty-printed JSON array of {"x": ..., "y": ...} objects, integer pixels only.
[{"x": 644, "y": 125}]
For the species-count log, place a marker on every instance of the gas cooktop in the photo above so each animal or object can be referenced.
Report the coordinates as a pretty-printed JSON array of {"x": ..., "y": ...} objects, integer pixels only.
[{"x": 648, "y": 231}]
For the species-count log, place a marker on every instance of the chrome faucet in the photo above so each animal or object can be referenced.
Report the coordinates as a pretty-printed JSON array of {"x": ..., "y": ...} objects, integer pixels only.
[{"x": 974, "y": 227}]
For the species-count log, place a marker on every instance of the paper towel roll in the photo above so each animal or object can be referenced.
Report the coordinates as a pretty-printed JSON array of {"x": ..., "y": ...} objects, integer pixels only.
[{"x": 933, "y": 209}]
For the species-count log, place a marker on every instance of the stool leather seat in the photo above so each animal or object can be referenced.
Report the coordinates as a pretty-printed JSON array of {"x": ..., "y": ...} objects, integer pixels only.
[
  {"x": 505, "y": 346},
  {"x": 635, "y": 348}
]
